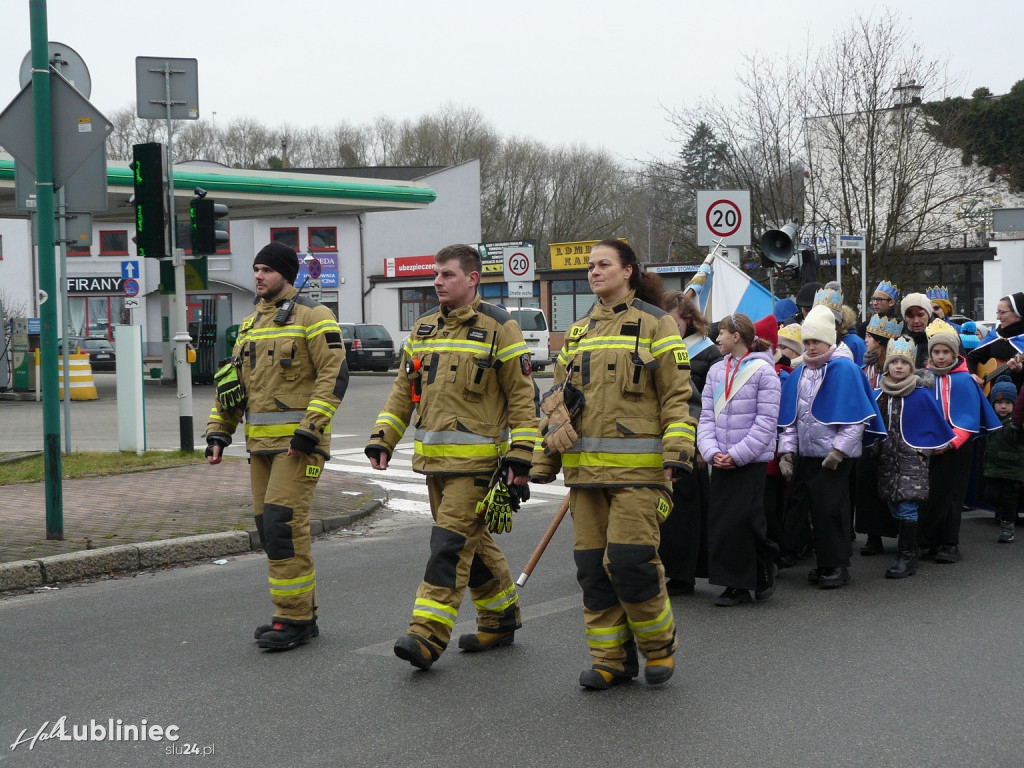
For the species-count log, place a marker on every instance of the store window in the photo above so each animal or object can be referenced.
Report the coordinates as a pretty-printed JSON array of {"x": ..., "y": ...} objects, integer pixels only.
[
  {"x": 286, "y": 236},
  {"x": 323, "y": 239},
  {"x": 114, "y": 242},
  {"x": 79, "y": 250},
  {"x": 570, "y": 300},
  {"x": 96, "y": 316},
  {"x": 413, "y": 302}
]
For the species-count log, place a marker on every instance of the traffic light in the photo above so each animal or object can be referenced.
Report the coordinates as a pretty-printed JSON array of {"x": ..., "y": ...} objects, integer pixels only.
[
  {"x": 203, "y": 215},
  {"x": 149, "y": 175}
]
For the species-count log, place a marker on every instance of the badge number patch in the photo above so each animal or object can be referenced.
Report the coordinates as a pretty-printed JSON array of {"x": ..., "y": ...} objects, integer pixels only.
[
  {"x": 682, "y": 358},
  {"x": 312, "y": 471}
]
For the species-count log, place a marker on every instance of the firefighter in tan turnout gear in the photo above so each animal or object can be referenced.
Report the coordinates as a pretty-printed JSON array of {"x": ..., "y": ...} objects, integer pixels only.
[
  {"x": 466, "y": 379},
  {"x": 618, "y": 426},
  {"x": 286, "y": 378}
]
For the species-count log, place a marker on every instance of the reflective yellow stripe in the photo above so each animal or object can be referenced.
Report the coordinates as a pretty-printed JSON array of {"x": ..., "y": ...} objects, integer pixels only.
[
  {"x": 296, "y": 580},
  {"x": 296, "y": 586},
  {"x": 322, "y": 406},
  {"x": 450, "y": 345},
  {"x": 295, "y": 591},
  {"x": 680, "y": 428},
  {"x": 277, "y": 332},
  {"x": 524, "y": 433},
  {"x": 655, "y": 625},
  {"x": 500, "y": 602},
  {"x": 392, "y": 421},
  {"x": 323, "y": 326},
  {"x": 667, "y": 344},
  {"x": 435, "y": 611},
  {"x": 603, "y": 459},
  {"x": 457, "y": 451},
  {"x": 513, "y": 350},
  {"x": 608, "y": 637},
  {"x": 269, "y": 430}
]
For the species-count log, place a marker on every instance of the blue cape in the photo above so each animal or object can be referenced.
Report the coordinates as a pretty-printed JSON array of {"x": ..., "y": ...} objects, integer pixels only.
[
  {"x": 969, "y": 409},
  {"x": 921, "y": 422},
  {"x": 845, "y": 397},
  {"x": 856, "y": 346},
  {"x": 1017, "y": 342}
]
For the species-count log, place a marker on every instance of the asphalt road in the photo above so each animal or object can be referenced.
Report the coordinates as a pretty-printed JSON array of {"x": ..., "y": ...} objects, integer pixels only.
[{"x": 926, "y": 671}]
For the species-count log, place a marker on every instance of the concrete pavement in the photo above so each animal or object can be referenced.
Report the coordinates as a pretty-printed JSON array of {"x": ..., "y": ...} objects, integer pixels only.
[{"x": 143, "y": 519}]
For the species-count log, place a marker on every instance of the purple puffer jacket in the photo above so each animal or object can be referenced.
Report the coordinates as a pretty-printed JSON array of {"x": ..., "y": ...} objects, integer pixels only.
[
  {"x": 747, "y": 426},
  {"x": 807, "y": 437}
]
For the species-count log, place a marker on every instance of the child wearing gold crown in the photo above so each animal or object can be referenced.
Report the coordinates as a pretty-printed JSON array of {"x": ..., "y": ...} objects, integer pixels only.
[
  {"x": 969, "y": 414},
  {"x": 871, "y": 512},
  {"x": 915, "y": 427}
]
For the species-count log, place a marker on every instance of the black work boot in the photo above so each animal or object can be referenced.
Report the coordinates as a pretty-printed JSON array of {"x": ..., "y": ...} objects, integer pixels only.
[
  {"x": 831, "y": 578},
  {"x": 873, "y": 546},
  {"x": 484, "y": 640},
  {"x": 600, "y": 677},
  {"x": 906, "y": 555},
  {"x": 267, "y": 627},
  {"x": 766, "y": 572},
  {"x": 284, "y": 635},
  {"x": 416, "y": 650}
]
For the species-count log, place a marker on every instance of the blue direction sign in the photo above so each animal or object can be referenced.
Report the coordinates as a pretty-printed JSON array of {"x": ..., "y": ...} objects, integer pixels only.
[
  {"x": 131, "y": 287},
  {"x": 129, "y": 269}
]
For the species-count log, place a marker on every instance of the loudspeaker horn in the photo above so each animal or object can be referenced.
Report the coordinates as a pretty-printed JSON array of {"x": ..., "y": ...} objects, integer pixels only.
[{"x": 777, "y": 244}]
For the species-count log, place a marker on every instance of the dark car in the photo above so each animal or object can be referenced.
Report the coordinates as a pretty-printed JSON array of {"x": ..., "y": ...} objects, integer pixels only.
[
  {"x": 368, "y": 347},
  {"x": 100, "y": 351}
]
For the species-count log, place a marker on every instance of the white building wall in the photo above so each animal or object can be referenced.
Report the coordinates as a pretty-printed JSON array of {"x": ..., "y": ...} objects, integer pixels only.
[
  {"x": 1004, "y": 274},
  {"x": 17, "y": 278}
]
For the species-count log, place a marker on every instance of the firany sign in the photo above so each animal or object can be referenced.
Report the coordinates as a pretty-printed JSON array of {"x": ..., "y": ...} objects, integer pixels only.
[{"x": 95, "y": 285}]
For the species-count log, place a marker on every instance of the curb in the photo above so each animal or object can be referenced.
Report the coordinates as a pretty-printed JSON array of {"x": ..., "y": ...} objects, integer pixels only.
[{"x": 55, "y": 569}]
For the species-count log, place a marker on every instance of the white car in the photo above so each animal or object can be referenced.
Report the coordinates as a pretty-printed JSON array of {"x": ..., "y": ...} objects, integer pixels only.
[{"x": 537, "y": 334}]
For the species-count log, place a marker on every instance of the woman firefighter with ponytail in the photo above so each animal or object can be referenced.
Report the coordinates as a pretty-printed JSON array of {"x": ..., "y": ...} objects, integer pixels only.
[{"x": 619, "y": 456}]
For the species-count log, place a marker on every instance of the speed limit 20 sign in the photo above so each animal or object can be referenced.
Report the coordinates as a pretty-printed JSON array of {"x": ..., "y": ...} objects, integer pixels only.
[
  {"x": 519, "y": 264},
  {"x": 723, "y": 215}
]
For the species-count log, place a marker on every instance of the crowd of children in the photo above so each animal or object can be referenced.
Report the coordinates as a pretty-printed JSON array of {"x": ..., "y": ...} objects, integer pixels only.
[{"x": 812, "y": 427}]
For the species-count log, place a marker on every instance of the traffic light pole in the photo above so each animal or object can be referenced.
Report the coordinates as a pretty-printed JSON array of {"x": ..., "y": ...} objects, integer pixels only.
[
  {"x": 47, "y": 270},
  {"x": 182, "y": 369}
]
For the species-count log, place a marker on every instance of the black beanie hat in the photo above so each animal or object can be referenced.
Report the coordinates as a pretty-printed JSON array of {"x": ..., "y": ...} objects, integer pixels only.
[
  {"x": 805, "y": 296},
  {"x": 280, "y": 258}
]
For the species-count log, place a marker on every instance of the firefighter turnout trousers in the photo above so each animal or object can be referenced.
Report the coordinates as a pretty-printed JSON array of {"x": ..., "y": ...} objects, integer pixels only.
[
  {"x": 282, "y": 493},
  {"x": 462, "y": 552},
  {"x": 615, "y": 545}
]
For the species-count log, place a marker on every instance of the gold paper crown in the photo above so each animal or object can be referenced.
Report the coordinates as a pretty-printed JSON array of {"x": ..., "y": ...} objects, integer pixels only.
[
  {"x": 901, "y": 346},
  {"x": 885, "y": 326},
  {"x": 830, "y": 298},
  {"x": 791, "y": 332},
  {"x": 938, "y": 326}
]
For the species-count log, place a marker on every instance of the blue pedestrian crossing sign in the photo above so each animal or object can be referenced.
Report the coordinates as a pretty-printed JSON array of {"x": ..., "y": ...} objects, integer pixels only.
[{"x": 130, "y": 270}]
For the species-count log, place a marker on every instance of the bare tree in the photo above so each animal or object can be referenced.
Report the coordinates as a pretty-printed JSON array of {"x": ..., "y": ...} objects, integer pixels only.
[{"x": 874, "y": 167}]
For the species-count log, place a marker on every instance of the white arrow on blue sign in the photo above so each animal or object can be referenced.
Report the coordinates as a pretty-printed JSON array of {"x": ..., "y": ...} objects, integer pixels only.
[{"x": 129, "y": 269}]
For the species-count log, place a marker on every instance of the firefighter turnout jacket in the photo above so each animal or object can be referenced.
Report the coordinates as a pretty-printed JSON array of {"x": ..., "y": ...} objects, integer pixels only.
[
  {"x": 294, "y": 376},
  {"x": 466, "y": 374},
  {"x": 634, "y": 371}
]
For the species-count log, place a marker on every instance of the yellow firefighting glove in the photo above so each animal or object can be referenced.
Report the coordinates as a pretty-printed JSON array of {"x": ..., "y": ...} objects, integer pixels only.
[
  {"x": 559, "y": 435},
  {"x": 496, "y": 507},
  {"x": 230, "y": 393}
]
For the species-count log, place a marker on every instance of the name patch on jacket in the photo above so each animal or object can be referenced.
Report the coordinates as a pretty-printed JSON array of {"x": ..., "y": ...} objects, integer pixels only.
[
  {"x": 424, "y": 330},
  {"x": 477, "y": 334}
]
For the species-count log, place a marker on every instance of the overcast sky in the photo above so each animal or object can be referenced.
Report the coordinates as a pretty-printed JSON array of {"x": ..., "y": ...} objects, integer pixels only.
[{"x": 598, "y": 72}]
